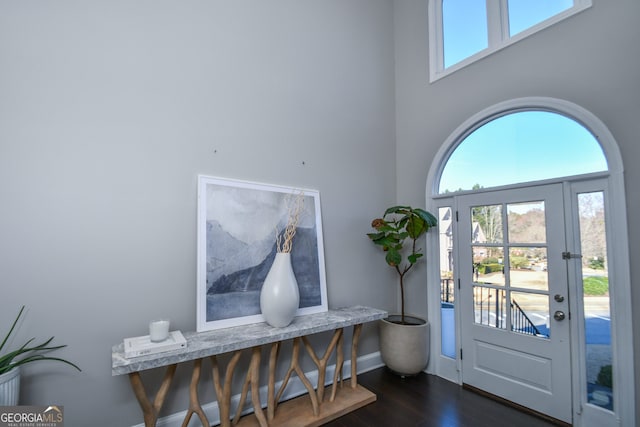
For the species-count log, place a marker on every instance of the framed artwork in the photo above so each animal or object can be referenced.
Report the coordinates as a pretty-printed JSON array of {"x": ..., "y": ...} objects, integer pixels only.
[{"x": 237, "y": 226}]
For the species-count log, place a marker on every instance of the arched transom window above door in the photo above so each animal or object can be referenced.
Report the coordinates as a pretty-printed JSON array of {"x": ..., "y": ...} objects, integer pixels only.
[{"x": 521, "y": 146}]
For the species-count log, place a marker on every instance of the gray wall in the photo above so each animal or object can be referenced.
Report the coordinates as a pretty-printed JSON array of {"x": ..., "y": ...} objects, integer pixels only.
[
  {"x": 108, "y": 112},
  {"x": 591, "y": 59},
  {"x": 110, "y": 109}
]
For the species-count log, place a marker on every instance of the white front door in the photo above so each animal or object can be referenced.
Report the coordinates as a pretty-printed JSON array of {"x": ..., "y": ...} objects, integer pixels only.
[{"x": 514, "y": 301}]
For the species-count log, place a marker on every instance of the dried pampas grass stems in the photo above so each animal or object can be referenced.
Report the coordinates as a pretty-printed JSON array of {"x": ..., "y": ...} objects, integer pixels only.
[{"x": 284, "y": 241}]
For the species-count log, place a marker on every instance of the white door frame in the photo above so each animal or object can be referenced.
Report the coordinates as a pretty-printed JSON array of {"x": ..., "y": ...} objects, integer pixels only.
[{"x": 622, "y": 334}]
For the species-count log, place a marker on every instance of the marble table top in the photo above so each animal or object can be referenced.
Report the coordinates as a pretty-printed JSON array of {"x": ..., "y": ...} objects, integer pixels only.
[{"x": 210, "y": 343}]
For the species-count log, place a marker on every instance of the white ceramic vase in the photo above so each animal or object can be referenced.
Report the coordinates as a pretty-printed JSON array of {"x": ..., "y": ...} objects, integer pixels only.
[
  {"x": 279, "y": 297},
  {"x": 10, "y": 387}
]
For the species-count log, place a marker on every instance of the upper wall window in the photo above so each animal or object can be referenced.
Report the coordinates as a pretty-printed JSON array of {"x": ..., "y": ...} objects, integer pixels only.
[
  {"x": 463, "y": 31},
  {"x": 520, "y": 147}
]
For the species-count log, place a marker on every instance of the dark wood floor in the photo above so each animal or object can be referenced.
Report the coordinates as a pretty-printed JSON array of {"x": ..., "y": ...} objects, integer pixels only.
[{"x": 427, "y": 400}]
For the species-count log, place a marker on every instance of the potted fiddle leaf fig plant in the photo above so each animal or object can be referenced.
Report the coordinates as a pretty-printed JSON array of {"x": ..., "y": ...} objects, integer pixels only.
[
  {"x": 403, "y": 339},
  {"x": 11, "y": 361}
]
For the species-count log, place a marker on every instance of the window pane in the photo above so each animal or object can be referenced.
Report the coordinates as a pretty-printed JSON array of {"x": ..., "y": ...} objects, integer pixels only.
[
  {"x": 468, "y": 30},
  {"x": 528, "y": 268},
  {"x": 526, "y": 222},
  {"x": 464, "y": 28},
  {"x": 521, "y": 147},
  {"x": 524, "y": 14},
  {"x": 447, "y": 288},
  {"x": 486, "y": 224},
  {"x": 489, "y": 306},
  {"x": 597, "y": 310},
  {"x": 488, "y": 265},
  {"x": 530, "y": 314}
]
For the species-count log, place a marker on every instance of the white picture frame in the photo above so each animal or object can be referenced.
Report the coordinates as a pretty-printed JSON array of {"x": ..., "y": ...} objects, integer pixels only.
[{"x": 237, "y": 222}]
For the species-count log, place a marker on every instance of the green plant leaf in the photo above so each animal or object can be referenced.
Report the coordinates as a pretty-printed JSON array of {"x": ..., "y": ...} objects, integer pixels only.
[
  {"x": 402, "y": 222},
  {"x": 413, "y": 258},
  {"x": 375, "y": 236},
  {"x": 42, "y": 357},
  {"x": 427, "y": 217},
  {"x": 15, "y": 322},
  {"x": 393, "y": 257},
  {"x": 387, "y": 229},
  {"x": 396, "y": 209},
  {"x": 390, "y": 240},
  {"x": 416, "y": 227}
]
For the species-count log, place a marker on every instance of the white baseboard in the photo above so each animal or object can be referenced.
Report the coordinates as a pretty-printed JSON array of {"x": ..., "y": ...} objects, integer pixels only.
[{"x": 295, "y": 388}]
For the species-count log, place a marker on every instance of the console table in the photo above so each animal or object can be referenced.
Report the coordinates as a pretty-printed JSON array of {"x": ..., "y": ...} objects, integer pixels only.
[{"x": 312, "y": 409}]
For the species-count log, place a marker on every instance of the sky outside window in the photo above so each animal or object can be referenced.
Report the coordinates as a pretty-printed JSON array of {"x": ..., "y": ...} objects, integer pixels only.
[
  {"x": 525, "y": 14},
  {"x": 464, "y": 26},
  {"x": 520, "y": 147}
]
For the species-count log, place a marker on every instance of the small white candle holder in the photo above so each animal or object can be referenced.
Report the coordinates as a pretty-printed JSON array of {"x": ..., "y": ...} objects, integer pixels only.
[{"x": 159, "y": 330}]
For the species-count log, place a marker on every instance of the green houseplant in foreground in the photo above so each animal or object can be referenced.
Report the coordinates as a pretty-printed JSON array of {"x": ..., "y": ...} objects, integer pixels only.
[
  {"x": 398, "y": 225},
  {"x": 28, "y": 352},
  {"x": 10, "y": 362}
]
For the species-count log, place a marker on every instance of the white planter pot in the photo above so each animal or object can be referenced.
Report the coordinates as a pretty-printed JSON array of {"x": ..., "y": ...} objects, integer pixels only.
[
  {"x": 404, "y": 348},
  {"x": 280, "y": 297},
  {"x": 10, "y": 387}
]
